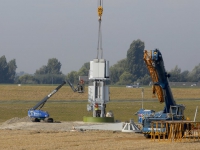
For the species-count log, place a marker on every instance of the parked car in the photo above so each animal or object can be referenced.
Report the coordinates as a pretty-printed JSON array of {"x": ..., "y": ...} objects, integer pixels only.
[{"x": 133, "y": 86}]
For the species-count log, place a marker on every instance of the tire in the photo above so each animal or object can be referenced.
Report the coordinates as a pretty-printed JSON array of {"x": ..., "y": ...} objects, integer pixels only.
[
  {"x": 35, "y": 120},
  {"x": 147, "y": 136},
  {"x": 49, "y": 120}
]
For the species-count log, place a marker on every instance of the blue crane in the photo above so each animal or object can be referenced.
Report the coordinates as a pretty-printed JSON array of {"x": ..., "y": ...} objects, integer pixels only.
[{"x": 172, "y": 111}]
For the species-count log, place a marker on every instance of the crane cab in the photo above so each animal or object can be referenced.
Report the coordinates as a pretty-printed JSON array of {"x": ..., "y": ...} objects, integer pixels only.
[
  {"x": 142, "y": 113},
  {"x": 176, "y": 112}
]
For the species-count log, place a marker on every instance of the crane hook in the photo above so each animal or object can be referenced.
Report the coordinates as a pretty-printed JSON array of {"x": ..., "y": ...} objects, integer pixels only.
[{"x": 100, "y": 9}]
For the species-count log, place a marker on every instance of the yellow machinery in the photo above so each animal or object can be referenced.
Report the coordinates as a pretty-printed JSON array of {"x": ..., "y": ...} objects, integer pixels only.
[
  {"x": 172, "y": 111},
  {"x": 154, "y": 75},
  {"x": 100, "y": 9}
]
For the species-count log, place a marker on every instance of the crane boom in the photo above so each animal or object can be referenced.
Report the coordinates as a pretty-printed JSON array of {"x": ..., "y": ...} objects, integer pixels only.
[
  {"x": 172, "y": 111},
  {"x": 155, "y": 65},
  {"x": 154, "y": 75}
]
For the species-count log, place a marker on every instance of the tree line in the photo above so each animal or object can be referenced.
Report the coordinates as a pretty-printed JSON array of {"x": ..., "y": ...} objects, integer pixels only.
[
  {"x": 130, "y": 70},
  {"x": 7, "y": 70}
]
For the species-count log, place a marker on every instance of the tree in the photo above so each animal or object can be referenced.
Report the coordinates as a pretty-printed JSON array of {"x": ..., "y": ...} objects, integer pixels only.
[
  {"x": 135, "y": 63},
  {"x": 11, "y": 71},
  {"x": 7, "y": 70},
  {"x": 42, "y": 70},
  {"x": 175, "y": 74},
  {"x": 27, "y": 79},
  {"x": 84, "y": 71},
  {"x": 145, "y": 80},
  {"x": 194, "y": 75},
  {"x": 184, "y": 76},
  {"x": 50, "y": 73},
  {"x": 117, "y": 70},
  {"x": 125, "y": 78},
  {"x": 54, "y": 66},
  {"x": 49, "y": 78},
  {"x": 3, "y": 69},
  {"x": 131, "y": 68},
  {"x": 73, "y": 77}
]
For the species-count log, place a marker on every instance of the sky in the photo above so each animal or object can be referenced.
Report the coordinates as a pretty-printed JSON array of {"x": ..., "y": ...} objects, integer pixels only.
[{"x": 33, "y": 31}]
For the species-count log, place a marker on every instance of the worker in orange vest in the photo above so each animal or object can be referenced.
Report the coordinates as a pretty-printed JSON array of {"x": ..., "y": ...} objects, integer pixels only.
[{"x": 96, "y": 108}]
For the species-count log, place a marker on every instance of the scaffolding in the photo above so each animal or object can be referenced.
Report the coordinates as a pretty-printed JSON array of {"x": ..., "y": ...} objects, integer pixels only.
[{"x": 175, "y": 131}]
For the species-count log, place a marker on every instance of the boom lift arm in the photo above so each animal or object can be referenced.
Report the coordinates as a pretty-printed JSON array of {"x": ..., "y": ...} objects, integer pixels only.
[
  {"x": 36, "y": 114},
  {"x": 79, "y": 88}
]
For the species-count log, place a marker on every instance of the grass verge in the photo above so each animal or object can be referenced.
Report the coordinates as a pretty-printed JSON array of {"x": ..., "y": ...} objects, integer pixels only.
[{"x": 74, "y": 111}]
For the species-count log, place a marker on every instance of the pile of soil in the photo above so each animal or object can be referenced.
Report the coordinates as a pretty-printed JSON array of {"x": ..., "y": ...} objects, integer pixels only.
[
  {"x": 16, "y": 119},
  {"x": 25, "y": 123}
]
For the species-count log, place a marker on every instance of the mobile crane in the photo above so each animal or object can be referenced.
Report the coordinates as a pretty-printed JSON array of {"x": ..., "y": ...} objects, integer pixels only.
[
  {"x": 36, "y": 114},
  {"x": 172, "y": 111}
]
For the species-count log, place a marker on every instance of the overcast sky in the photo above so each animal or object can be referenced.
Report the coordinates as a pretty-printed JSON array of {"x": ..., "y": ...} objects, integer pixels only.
[{"x": 33, "y": 31}]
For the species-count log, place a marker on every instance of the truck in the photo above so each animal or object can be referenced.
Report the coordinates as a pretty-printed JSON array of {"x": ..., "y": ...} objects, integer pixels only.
[
  {"x": 36, "y": 114},
  {"x": 172, "y": 111}
]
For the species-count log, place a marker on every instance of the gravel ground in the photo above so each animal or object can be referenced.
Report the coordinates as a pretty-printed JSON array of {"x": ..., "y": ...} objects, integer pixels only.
[
  {"x": 22, "y": 134},
  {"x": 26, "y": 124}
]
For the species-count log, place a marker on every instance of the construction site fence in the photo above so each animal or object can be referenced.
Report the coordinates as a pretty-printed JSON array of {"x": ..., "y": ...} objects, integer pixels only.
[{"x": 175, "y": 131}]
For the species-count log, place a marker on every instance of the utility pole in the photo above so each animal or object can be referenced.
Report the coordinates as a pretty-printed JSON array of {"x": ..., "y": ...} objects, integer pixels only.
[{"x": 142, "y": 97}]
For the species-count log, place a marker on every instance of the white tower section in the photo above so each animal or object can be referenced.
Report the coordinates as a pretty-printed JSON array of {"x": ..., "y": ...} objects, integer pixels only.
[{"x": 98, "y": 91}]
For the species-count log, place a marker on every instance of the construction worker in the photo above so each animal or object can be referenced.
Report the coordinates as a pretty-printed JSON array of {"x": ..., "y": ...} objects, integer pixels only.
[
  {"x": 80, "y": 86},
  {"x": 96, "y": 108}
]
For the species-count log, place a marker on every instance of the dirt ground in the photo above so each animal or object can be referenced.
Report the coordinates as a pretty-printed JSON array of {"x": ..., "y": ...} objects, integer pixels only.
[{"x": 22, "y": 134}]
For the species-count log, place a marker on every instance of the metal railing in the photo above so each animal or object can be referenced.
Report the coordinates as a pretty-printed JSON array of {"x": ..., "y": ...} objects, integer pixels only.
[{"x": 175, "y": 131}]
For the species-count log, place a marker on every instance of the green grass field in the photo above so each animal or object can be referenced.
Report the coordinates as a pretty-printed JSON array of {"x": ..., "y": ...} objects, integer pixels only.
[{"x": 16, "y": 100}]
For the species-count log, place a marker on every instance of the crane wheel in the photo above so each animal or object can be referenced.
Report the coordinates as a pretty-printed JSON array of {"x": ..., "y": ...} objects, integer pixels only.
[
  {"x": 147, "y": 136},
  {"x": 35, "y": 120}
]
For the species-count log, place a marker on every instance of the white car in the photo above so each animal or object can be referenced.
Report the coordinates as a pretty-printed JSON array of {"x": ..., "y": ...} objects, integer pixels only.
[{"x": 129, "y": 86}]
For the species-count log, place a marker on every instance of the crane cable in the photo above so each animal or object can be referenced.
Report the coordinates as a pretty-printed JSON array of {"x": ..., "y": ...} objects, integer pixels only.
[{"x": 99, "y": 45}]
